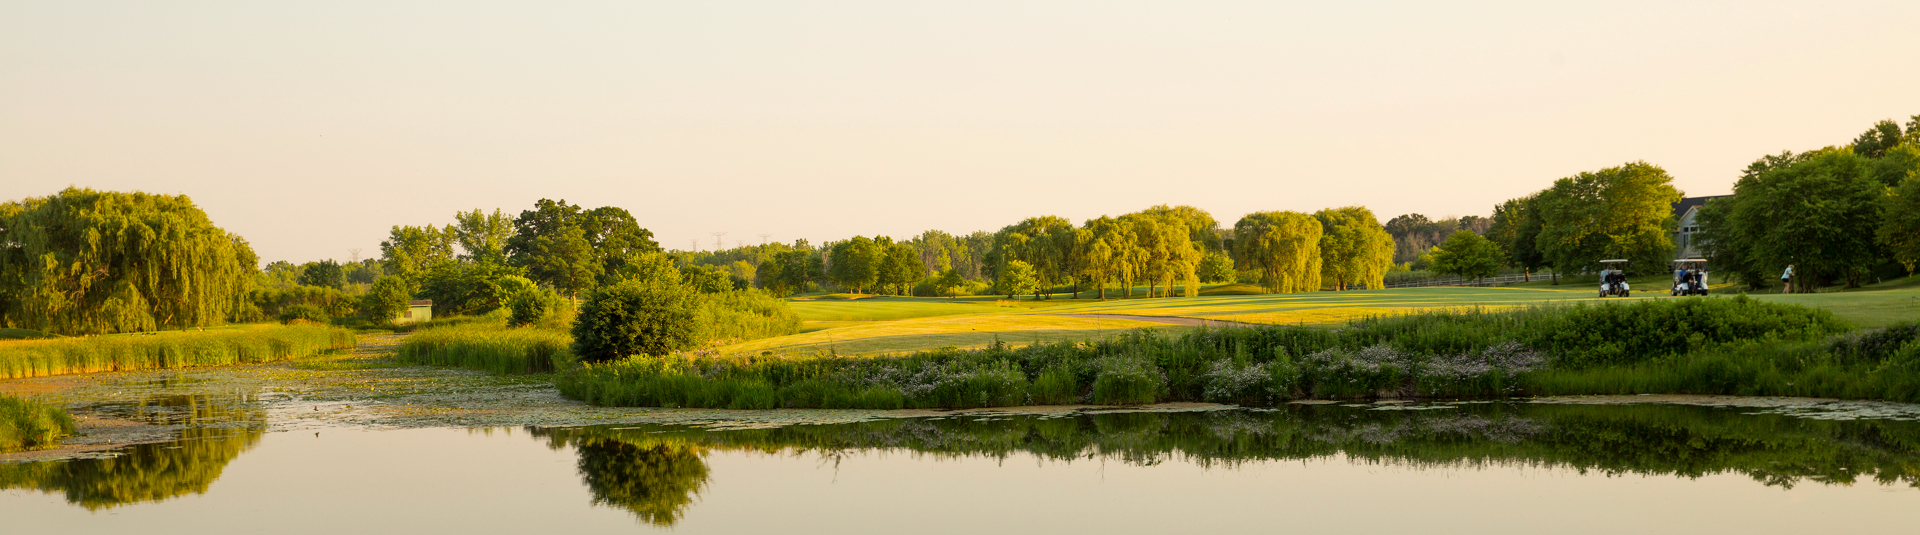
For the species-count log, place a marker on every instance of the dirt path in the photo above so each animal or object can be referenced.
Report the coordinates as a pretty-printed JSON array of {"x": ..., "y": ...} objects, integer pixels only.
[{"x": 1169, "y": 320}]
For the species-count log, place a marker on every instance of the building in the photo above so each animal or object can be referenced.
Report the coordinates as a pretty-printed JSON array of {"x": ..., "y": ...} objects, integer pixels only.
[
  {"x": 420, "y": 310},
  {"x": 1684, "y": 214}
]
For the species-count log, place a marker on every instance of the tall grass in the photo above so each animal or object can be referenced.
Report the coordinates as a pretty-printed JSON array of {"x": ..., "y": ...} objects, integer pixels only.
[
  {"x": 489, "y": 345},
  {"x": 25, "y": 424},
  {"x": 1707, "y": 346},
  {"x": 168, "y": 350}
]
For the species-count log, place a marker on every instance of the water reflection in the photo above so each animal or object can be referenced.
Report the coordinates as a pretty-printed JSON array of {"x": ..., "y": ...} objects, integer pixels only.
[
  {"x": 658, "y": 471},
  {"x": 214, "y": 432}
]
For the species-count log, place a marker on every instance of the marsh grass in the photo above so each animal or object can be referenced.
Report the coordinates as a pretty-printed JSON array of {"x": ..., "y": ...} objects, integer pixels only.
[
  {"x": 28, "y": 425},
  {"x": 168, "y": 350},
  {"x": 488, "y": 345},
  {"x": 1699, "y": 346}
]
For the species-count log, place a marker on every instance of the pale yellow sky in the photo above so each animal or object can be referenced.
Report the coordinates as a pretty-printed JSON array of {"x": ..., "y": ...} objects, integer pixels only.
[{"x": 310, "y": 128}]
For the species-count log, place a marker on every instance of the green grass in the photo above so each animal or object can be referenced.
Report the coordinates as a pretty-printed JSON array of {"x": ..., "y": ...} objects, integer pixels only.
[
  {"x": 1705, "y": 345},
  {"x": 886, "y": 308},
  {"x": 168, "y": 350},
  {"x": 490, "y": 346},
  {"x": 28, "y": 425}
]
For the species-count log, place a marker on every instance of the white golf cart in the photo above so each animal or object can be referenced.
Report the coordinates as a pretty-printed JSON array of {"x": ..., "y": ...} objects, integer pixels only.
[
  {"x": 1690, "y": 276},
  {"x": 1613, "y": 279}
]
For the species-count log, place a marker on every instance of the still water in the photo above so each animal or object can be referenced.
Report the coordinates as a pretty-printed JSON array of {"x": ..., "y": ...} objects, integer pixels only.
[{"x": 1436, "y": 468}]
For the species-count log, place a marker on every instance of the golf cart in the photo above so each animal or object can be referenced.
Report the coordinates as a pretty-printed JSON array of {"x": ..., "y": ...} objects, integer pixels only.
[
  {"x": 1690, "y": 276},
  {"x": 1613, "y": 279}
]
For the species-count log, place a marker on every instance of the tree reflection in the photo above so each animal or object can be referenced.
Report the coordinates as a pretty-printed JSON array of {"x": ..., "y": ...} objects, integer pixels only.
[
  {"x": 656, "y": 480},
  {"x": 150, "y": 472}
]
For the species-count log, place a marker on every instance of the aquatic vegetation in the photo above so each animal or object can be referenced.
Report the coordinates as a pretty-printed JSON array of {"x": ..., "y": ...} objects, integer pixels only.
[
  {"x": 25, "y": 424},
  {"x": 489, "y": 345},
  {"x": 1603, "y": 348},
  {"x": 168, "y": 350}
]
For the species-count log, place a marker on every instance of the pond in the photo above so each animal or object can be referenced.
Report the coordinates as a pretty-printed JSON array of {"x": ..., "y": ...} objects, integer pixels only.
[{"x": 1483, "y": 467}]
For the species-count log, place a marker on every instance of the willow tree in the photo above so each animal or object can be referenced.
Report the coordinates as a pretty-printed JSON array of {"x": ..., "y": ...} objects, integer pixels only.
[
  {"x": 1284, "y": 246},
  {"x": 1354, "y": 247},
  {"x": 94, "y": 262}
]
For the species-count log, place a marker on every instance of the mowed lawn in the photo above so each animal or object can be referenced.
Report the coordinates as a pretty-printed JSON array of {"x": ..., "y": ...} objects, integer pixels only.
[{"x": 877, "y": 325}]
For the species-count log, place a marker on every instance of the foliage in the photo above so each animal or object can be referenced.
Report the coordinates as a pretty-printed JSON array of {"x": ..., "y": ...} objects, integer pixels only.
[
  {"x": 1216, "y": 268},
  {"x": 489, "y": 345},
  {"x": 1900, "y": 232},
  {"x": 385, "y": 300},
  {"x": 1468, "y": 256},
  {"x": 855, "y": 263},
  {"x": 1017, "y": 277},
  {"x": 325, "y": 273},
  {"x": 167, "y": 350},
  {"x": 1813, "y": 211},
  {"x": 92, "y": 262},
  {"x": 410, "y": 251},
  {"x": 1618, "y": 212},
  {"x": 1354, "y": 247},
  {"x": 570, "y": 249},
  {"x": 1283, "y": 246},
  {"x": 303, "y": 312},
  {"x": 1455, "y": 353},
  {"x": 272, "y": 303},
  {"x": 28, "y": 425},
  {"x": 463, "y": 289},
  {"x": 946, "y": 281},
  {"x": 540, "y": 307},
  {"x": 635, "y": 318}
]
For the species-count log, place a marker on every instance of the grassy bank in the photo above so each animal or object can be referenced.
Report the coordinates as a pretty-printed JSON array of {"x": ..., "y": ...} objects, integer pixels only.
[
  {"x": 488, "y": 344},
  {"x": 1702, "y": 346},
  {"x": 26, "y": 425},
  {"x": 168, "y": 350}
]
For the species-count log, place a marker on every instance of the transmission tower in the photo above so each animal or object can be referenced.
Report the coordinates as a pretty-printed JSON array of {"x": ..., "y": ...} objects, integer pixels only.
[
  {"x": 763, "y": 238},
  {"x": 717, "y": 244},
  {"x": 355, "y": 256},
  {"x": 695, "y": 245}
]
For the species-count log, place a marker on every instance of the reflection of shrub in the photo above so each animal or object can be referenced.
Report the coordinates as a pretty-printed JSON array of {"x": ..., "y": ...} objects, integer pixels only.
[
  {"x": 657, "y": 483},
  {"x": 304, "y": 311},
  {"x": 25, "y": 424},
  {"x": 635, "y": 318}
]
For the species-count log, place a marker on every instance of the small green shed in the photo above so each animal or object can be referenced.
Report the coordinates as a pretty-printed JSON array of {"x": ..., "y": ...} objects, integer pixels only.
[{"x": 418, "y": 310}]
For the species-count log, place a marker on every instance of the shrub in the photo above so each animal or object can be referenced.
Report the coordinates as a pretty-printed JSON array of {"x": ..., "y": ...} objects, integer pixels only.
[
  {"x": 385, "y": 300},
  {"x": 635, "y": 318},
  {"x": 304, "y": 311},
  {"x": 540, "y": 306},
  {"x": 25, "y": 424},
  {"x": 738, "y": 315}
]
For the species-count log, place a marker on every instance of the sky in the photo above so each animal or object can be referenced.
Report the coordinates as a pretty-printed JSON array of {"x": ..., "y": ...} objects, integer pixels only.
[{"x": 312, "y": 128}]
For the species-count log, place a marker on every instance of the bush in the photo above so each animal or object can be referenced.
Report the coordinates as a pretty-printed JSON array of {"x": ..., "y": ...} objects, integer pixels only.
[
  {"x": 385, "y": 300},
  {"x": 540, "y": 306},
  {"x": 25, "y": 424},
  {"x": 739, "y": 315},
  {"x": 635, "y": 318},
  {"x": 303, "y": 311}
]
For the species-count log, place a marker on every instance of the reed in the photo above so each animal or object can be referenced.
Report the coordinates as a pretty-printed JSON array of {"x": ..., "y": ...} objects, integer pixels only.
[
  {"x": 1703, "y": 346},
  {"x": 168, "y": 350},
  {"x": 28, "y": 425},
  {"x": 489, "y": 345}
]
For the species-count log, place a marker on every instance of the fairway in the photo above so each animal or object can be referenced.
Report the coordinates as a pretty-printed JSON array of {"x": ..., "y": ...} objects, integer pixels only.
[{"x": 879, "y": 325}]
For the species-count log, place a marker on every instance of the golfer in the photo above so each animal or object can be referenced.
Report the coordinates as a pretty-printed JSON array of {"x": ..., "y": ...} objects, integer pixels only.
[{"x": 1786, "y": 280}]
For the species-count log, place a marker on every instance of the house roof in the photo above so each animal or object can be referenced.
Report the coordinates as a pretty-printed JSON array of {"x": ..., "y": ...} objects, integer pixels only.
[
  {"x": 1689, "y": 203},
  {"x": 420, "y": 303}
]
